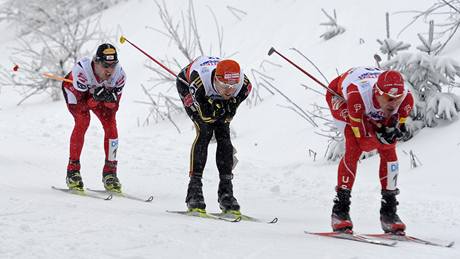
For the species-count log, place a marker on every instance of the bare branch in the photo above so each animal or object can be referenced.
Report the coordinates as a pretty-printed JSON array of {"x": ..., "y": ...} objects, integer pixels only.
[
  {"x": 311, "y": 62},
  {"x": 310, "y": 120}
]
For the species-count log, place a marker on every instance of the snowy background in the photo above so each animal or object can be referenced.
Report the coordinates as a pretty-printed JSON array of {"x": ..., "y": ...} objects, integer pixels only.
[{"x": 275, "y": 175}]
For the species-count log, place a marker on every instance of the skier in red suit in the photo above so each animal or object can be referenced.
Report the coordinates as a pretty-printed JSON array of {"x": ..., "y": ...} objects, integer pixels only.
[
  {"x": 97, "y": 84},
  {"x": 372, "y": 106}
]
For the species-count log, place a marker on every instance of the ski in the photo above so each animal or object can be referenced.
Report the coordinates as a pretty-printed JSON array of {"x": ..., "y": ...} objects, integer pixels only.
[
  {"x": 411, "y": 239},
  {"x": 123, "y": 195},
  {"x": 203, "y": 215},
  {"x": 82, "y": 193},
  {"x": 353, "y": 237},
  {"x": 244, "y": 217}
]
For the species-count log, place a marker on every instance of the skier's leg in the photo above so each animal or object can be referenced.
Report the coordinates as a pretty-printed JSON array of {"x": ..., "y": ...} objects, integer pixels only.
[
  {"x": 349, "y": 162},
  {"x": 77, "y": 107},
  {"x": 224, "y": 159},
  {"x": 340, "y": 217},
  {"x": 224, "y": 152},
  {"x": 107, "y": 117},
  {"x": 389, "y": 169},
  {"x": 199, "y": 151},
  {"x": 80, "y": 113},
  {"x": 198, "y": 157}
]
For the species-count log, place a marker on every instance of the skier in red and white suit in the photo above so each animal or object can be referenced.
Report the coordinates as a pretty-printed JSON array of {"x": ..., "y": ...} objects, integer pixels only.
[
  {"x": 96, "y": 86},
  {"x": 372, "y": 106}
]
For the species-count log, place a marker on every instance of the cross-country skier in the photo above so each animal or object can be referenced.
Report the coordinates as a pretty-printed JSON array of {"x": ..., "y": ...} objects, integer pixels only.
[
  {"x": 372, "y": 106},
  {"x": 215, "y": 88},
  {"x": 96, "y": 86}
]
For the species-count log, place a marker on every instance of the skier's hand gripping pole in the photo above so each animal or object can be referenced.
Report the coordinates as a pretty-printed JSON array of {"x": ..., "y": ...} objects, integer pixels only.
[
  {"x": 123, "y": 39},
  {"x": 273, "y": 50}
]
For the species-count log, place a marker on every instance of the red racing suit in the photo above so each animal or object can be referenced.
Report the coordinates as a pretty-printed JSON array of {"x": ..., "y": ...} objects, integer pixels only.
[{"x": 358, "y": 109}]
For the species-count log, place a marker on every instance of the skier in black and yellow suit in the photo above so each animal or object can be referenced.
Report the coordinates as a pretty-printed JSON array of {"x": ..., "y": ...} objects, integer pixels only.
[{"x": 214, "y": 91}]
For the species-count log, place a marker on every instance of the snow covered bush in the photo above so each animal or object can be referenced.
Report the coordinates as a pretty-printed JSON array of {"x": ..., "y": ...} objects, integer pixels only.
[
  {"x": 431, "y": 77},
  {"x": 443, "y": 106},
  {"x": 52, "y": 36},
  {"x": 30, "y": 15},
  {"x": 390, "y": 47}
]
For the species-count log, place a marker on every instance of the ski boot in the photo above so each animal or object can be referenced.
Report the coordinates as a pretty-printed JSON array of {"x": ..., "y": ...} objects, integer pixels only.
[
  {"x": 391, "y": 223},
  {"x": 109, "y": 177},
  {"x": 340, "y": 218},
  {"x": 195, "y": 199},
  {"x": 111, "y": 182},
  {"x": 227, "y": 202},
  {"x": 74, "y": 181},
  {"x": 73, "y": 178}
]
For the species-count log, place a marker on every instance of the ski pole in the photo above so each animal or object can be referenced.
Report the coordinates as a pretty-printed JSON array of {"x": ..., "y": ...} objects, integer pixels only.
[
  {"x": 123, "y": 39},
  {"x": 47, "y": 75},
  {"x": 55, "y": 77},
  {"x": 273, "y": 50}
]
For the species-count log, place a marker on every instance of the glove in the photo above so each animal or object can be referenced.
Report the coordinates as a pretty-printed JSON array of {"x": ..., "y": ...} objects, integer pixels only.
[
  {"x": 230, "y": 106},
  {"x": 388, "y": 135},
  {"x": 405, "y": 133},
  {"x": 212, "y": 109},
  {"x": 218, "y": 108},
  {"x": 102, "y": 94}
]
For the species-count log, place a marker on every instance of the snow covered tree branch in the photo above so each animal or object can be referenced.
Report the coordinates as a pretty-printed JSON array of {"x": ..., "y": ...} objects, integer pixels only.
[
  {"x": 333, "y": 28},
  {"x": 449, "y": 10},
  {"x": 390, "y": 46},
  {"x": 431, "y": 77},
  {"x": 51, "y": 47}
]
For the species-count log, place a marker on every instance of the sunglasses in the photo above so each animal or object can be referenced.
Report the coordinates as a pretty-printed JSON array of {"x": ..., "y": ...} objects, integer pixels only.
[
  {"x": 390, "y": 96},
  {"x": 108, "y": 65},
  {"x": 227, "y": 89}
]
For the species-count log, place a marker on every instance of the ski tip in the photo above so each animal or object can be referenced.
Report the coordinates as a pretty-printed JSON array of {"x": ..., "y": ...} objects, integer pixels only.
[
  {"x": 237, "y": 219},
  {"x": 451, "y": 244},
  {"x": 273, "y": 221},
  {"x": 149, "y": 199},
  {"x": 109, "y": 197}
]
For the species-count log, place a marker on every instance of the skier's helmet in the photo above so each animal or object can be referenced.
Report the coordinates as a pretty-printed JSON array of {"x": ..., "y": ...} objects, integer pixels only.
[
  {"x": 227, "y": 77},
  {"x": 390, "y": 83},
  {"x": 106, "y": 53}
]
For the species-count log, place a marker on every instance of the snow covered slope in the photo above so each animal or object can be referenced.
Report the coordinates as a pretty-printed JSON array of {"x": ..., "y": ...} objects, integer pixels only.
[{"x": 275, "y": 175}]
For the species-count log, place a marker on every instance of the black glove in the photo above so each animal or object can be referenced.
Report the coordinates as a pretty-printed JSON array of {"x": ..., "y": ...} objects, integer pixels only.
[
  {"x": 388, "y": 135},
  {"x": 213, "y": 109},
  {"x": 218, "y": 108},
  {"x": 102, "y": 94},
  {"x": 405, "y": 133},
  {"x": 230, "y": 106}
]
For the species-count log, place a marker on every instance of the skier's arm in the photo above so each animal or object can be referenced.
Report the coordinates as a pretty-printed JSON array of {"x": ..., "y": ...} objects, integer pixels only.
[
  {"x": 404, "y": 111},
  {"x": 119, "y": 85},
  {"x": 362, "y": 129},
  {"x": 233, "y": 103},
  {"x": 208, "y": 110},
  {"x": 405, "y": 108},
  {"x": 80, "y": 79}
]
